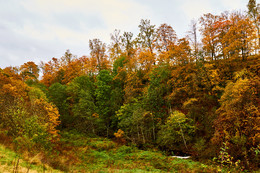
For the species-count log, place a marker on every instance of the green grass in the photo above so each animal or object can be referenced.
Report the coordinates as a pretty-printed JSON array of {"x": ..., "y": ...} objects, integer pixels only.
[
  {"x": 103, "y": 155},
  {"x": 79, "y": 153}
]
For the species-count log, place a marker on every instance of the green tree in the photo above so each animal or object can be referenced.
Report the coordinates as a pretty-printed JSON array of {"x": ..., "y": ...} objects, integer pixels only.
[
  {"x": 119, "y": 76},
  {"x": 82, "y": 103},
  {"x": 57, "y": 94},
  {"x": 158, "y": 89},
  {"x": 103, "y": 100},
  {"x": 136, "y": 122},
  {"x": 176, "y": 133},
  {"x": 84, "y": 111},
  {"x": 146, "y": 37}
]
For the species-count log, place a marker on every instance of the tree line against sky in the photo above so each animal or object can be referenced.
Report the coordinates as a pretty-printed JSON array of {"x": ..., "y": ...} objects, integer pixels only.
[{"x": 181, "y": 95}]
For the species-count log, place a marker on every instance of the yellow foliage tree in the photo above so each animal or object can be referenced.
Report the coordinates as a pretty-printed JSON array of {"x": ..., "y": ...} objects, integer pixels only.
[{"x": 239, "y": 117}]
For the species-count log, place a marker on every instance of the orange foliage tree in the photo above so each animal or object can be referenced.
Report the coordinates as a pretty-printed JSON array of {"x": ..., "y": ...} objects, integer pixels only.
[
  {"x": 29, "y": 70},
  {"x": 238, "y": 118},
  {"x": 26, "y": 114},
  {"x": 239, "y": 36},
  {"x": 209, "y": 36}
]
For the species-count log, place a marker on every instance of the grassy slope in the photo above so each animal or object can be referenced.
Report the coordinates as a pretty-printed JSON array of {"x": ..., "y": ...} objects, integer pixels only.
[
  {"x": 78, "y": 153},
  {"x": 9, "y": 160},
  {"x": 103, "y": 155}
]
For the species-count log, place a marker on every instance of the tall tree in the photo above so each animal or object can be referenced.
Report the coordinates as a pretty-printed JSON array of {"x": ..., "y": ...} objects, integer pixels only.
[
  {"x": 67, "y": 57},
  {"x": 182, "y": 52},
  {"x": 208, "y": 32},
  {"x": 146, "y": 35},
  {"x": 52, "y": 72},
  {"x": 165, "y": 37},
  {"x": 193, "y": 35},
  {"x": 98, "y": 53},
  {"x": 222, "y": 26},
  {"x": 128, "y": 43},
  {"x": 253, "y": 12},
  {"x": 239, "y": 36},
  {"x": 57, "y": 94},
  {"x": 115, "y": 47},
  {"x": 72, "y": 70},
  {"x": 29, "y": 70},
  {"x": 103, "y": 100},
  {"x": 81, "y": 101},
  {"x": 238, "y": 118}
]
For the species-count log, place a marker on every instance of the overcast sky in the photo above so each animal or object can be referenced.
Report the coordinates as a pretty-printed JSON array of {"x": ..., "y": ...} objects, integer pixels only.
[{"x": 37, "y": 30}]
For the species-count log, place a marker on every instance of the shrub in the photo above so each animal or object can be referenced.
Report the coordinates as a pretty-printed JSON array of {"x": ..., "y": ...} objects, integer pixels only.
[
  {"x": 27, "y": 116},
  {"x": 176, "y": 132}
]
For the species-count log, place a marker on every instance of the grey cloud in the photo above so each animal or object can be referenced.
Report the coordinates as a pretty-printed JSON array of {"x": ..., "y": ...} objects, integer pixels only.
[
  {"x": 18, "y": 46},
  {"x": 78, "y": 21}
]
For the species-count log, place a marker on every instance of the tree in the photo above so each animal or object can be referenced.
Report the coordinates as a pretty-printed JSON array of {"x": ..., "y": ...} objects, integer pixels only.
[
  {"x": 208, "y": 32},
  {"x": 253, "y": 12},
  {"x": 29, "y": 70},
  {"x": 165, "y": 37},
  {"x": 182, "y": 52},
  {"x": 11, "y": 72},
  {"x": 166, "y": 40},
  {"x": 98, "y": 53},
  {"x": 72, "y": 70},
  {"x": 193, "y": 35},
  {"x": 119, "y": 74},
  {"x": 238, "y": 117},
  {"x": 177, "y": 132},
  {"x": 57, "y": 94},
  {"x": 67, "y": 58},
  {"x": 146, "y": 36},
  {"x": 84, "y": 112},
  {"x": 81, "y": 104},
  {"x": 157, "y": 91},
  {"x": 222, "y": 27},
  {"x": 146, "y": 62},
  {"x": 136, "y": 122},
  {"x": 128, "y": 43},
  {"x": 52, "y": 72},
  {"x": 103, "y": 100},
  {"x": 182, "y": 84},
  {"x": 26, "y": 114},
  {"x": 115, "y": 45},
  {"x": 133, "y": 86},
  {"x": 239, "y": 36}
]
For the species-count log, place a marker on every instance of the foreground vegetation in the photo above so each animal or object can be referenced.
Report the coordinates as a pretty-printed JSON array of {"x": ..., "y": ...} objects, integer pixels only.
[
  {"x": 155, "y": 92},
  {"x": 94, "y": 154},
  {"x": 11, "y": 161}
]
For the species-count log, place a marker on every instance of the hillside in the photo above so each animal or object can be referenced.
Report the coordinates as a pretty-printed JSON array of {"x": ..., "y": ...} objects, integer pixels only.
[
  {"x": 84, "y": 154},
  {"x": 14, "y": 162},
  {"x": 133, "y": 103}
]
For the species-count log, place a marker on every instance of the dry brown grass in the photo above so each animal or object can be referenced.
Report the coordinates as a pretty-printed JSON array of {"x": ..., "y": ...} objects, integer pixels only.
[{"x": 10, "y": 168}]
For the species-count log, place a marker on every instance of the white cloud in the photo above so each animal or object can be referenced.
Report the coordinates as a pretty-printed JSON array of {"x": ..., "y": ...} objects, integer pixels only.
[
  {"x": 41, "y": 29},
  {"x": 234, "y": 4},
  {"x": 113, "y": 14},
  {"x": 46, "y": 28},
  {"x": 194, "y": 9}
]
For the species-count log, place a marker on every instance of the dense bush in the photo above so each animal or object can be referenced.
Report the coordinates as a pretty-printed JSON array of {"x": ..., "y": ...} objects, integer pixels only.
[{"x": 27, "y": 116}]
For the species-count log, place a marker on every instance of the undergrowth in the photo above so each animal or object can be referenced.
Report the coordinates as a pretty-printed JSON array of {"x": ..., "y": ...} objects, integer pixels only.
[{"x": 78, "y": 153}]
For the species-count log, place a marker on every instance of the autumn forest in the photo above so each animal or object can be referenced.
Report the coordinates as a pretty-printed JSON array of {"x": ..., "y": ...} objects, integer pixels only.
[{"x": 195, "y": 96}]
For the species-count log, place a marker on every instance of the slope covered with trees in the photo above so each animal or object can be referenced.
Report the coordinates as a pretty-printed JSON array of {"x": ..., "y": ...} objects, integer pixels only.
[{"x": 180, "y": 95}]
